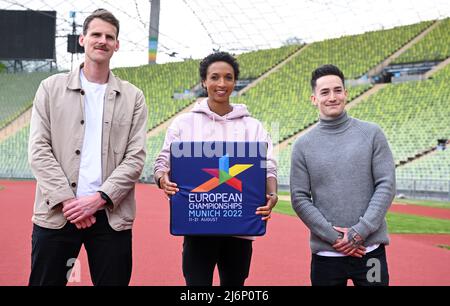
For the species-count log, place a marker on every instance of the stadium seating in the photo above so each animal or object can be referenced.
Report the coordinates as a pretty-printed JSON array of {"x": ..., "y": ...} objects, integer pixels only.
[
  {"x": 283, "y": 158},
  {"x": 283, "y": 97},
  {"x": 413, "y": 115},
  {"x": 14, "y": 157},
  {"x": 429, "y": 173},
  {"x": 435, "y": 165},
  {"x": 253, "y": 64},
  {"x": 154, "y": 145},
  {"x": 434, "y": 46},
  {"x": 159, "y": 84},
  {"x": 16, "y": 93}
]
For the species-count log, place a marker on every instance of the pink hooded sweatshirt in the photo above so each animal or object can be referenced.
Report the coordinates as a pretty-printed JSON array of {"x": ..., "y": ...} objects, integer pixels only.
[{"x": 201, "y": 124}]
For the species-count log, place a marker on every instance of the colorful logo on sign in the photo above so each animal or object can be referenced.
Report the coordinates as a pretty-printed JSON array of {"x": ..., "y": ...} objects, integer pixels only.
[{"x": 224, "y": 174}]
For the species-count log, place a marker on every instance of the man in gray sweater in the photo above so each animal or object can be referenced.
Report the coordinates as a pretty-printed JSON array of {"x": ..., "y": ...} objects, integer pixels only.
[{"x": 342, "y": 183}]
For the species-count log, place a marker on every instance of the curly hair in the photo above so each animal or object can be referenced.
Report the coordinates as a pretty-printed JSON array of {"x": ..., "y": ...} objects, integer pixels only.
[{"x": 218, "y": 57}]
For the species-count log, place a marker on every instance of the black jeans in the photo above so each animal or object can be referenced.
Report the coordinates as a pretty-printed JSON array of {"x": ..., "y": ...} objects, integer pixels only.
[
  {"x": 370, "y": 270},
  {"x": 54, "y": 251},
  {"x": 201, "y": 254}
]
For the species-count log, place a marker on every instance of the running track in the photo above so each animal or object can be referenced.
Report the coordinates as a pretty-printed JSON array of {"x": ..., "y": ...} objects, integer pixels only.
[{"x": 281, "y": 257}]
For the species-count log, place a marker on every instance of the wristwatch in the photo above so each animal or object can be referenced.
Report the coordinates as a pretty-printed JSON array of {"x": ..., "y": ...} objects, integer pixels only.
[
  {"x": 158, "y": 182},
  {"x": 105, "y": 197}
]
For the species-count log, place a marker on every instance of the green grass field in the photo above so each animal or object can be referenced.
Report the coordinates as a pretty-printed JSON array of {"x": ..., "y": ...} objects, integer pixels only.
[
  {"x": 409, "y": 224},
  {"x": 284, "y": 207},
  {"x": 397, "y": 223},
  {"x": 429, "y": 203}
]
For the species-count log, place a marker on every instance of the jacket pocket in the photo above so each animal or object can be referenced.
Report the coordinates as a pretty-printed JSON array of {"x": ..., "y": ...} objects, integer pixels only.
[
  {"x": 119, "y": 136},
  {"x": 127, "y": 214}
]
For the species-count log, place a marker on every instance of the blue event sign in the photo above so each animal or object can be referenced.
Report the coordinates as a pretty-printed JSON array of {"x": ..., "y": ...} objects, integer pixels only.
[{"x": 221, "y": 184}]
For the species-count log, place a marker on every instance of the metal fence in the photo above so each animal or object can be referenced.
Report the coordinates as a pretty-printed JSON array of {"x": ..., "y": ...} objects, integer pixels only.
[
  {"x": 408, "y": 187},
  {"x": 424, "y": 188}
]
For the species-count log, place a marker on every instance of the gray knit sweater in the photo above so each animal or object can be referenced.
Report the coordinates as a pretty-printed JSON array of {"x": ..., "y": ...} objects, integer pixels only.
[{"x": 343, "y": 174}]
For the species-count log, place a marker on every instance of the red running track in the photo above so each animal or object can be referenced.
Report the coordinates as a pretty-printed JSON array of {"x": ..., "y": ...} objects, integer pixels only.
[{"x": 281, "y": 257}]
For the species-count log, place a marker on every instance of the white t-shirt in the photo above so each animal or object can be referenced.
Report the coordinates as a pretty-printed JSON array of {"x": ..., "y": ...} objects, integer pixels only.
[{"x": 90, "y": 176}]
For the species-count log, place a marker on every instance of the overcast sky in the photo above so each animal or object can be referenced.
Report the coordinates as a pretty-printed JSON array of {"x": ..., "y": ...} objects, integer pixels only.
[{"x": 193, "y": 28}]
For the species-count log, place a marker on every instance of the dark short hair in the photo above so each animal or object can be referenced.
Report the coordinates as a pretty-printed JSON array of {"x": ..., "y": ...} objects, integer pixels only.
[
  {"x": 104, "y": 15},
  {"x": 323, "y": 71},
  {"x": 218, "y": 57}
]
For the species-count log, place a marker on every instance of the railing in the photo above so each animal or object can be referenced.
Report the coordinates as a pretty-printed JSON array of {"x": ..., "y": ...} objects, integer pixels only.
[
  {"x": 414, "y": 188},
  {"x": 424, "y": 188}
]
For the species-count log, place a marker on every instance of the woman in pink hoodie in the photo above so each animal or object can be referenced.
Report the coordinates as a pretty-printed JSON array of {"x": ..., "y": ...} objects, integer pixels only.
[{"x": 215, "y": 119}]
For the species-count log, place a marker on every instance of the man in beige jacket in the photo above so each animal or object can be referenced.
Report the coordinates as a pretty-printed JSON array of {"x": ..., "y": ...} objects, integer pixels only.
[{"x": 87, "y": 151}]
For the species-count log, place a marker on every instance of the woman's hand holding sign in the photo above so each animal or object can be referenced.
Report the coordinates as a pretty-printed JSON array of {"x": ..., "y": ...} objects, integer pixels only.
[
  {"x": 266, "y": 210},
  {"x": 169, "y": 187}
]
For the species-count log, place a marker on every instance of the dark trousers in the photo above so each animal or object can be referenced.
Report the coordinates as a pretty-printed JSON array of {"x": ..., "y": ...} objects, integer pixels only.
[
  {"x": 370, "y": 270},
  {"x": 54, "y": 251},
  {"x": 201, "y": 254}
]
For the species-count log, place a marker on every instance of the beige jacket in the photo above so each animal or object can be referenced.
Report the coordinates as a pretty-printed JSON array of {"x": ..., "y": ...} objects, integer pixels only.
[{"x": 56, "y": 139}]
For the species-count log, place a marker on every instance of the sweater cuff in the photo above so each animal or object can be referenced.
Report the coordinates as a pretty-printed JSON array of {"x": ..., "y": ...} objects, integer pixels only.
[
  {"x": 332, "y": 236},
  {"x": 362, "y": 229}
]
